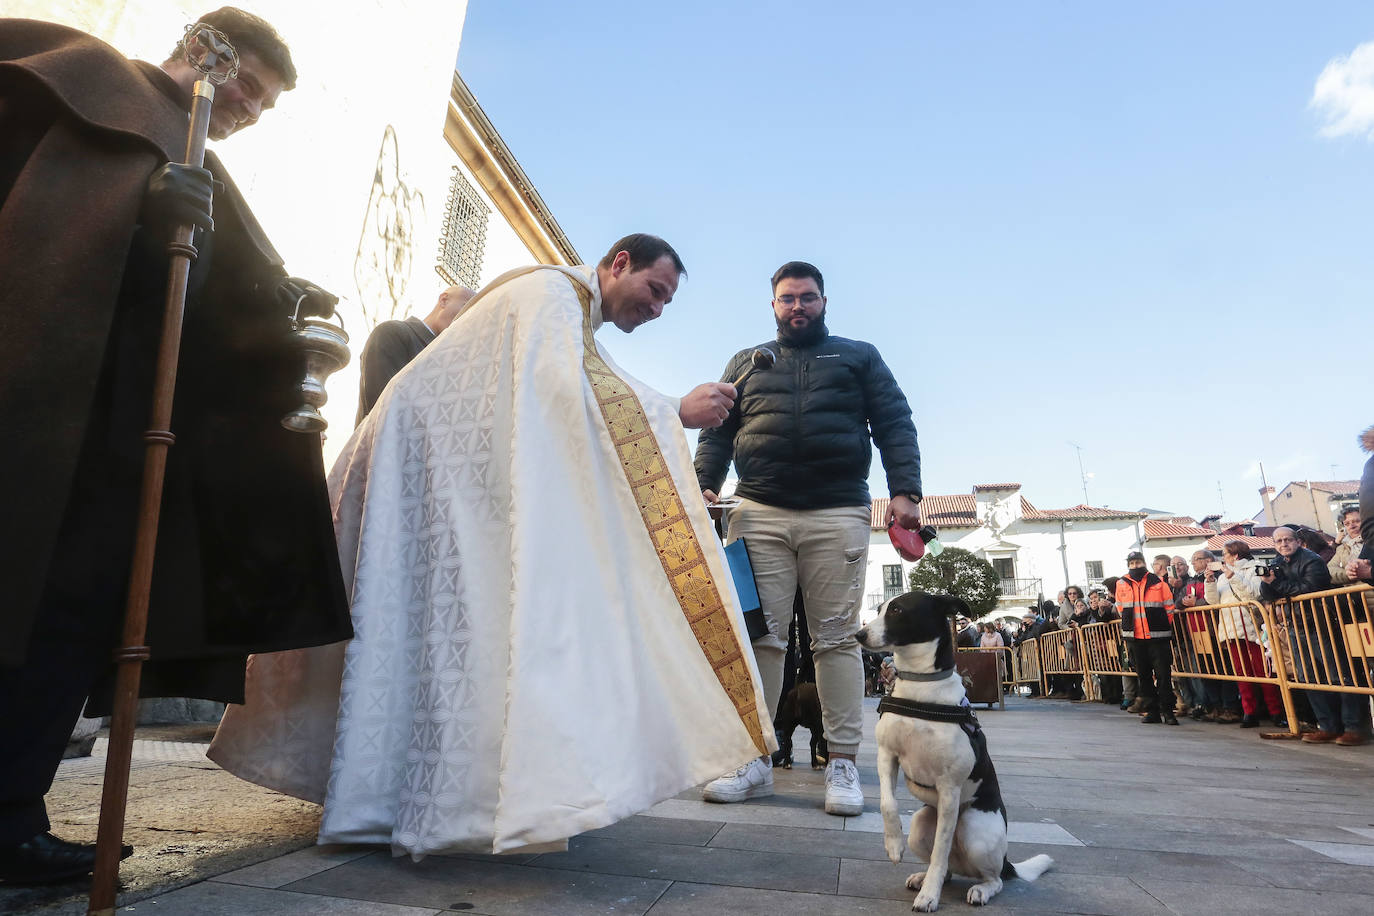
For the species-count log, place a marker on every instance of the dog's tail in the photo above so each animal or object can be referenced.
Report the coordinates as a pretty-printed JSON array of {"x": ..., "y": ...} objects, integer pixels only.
[{"x": 1028, "y": 870}]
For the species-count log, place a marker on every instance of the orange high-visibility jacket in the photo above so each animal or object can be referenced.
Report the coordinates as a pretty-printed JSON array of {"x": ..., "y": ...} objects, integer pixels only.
[{"x": 1147, "y": 607}]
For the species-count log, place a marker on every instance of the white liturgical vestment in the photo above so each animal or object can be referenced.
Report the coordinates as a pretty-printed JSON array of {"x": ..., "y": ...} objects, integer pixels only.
[{"x": 547, "y": 638}]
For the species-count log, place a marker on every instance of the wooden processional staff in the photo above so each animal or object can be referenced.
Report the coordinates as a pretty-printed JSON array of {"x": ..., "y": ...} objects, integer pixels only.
[{"x": 210, "y": 53}]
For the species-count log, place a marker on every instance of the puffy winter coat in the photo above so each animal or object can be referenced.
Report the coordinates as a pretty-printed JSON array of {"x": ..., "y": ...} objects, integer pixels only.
[
  {"x": 801, "y": 433},
  {"x": 1236, "y": 622}
]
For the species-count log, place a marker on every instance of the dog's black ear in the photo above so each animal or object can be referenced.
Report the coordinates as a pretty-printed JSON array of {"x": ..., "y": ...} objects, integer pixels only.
[{"x": 953, "y": 607}]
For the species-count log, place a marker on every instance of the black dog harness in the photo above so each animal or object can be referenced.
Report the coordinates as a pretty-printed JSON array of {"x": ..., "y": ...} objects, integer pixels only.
[{"x": 961, "y": 716}]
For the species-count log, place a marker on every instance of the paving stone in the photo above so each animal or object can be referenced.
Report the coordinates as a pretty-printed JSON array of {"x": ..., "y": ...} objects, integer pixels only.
[
  {"x": 686, "y": 899},
  {"x": 644, "y": 829},
  {"x": 1131, "y": 863},
  {"x": 750, "y": 812},
  {"x": 1349, "y": 853},
  {"x": 1314, "y": 876},
  {"x": 1190, "y": 898},
  {"x": 214, "y": 899},
  {"x": 802, "y": 841},
  {"x": 295, "y": 866},
  {"x": 707, "y": 865},
  {"x": 493, "y": 888},
  {"x": 1173, "y": 841},
  {"x": 1051, "y": 893}
]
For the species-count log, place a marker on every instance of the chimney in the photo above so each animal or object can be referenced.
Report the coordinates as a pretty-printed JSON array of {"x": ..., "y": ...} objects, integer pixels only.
[{"x": 1267, "y": 494}]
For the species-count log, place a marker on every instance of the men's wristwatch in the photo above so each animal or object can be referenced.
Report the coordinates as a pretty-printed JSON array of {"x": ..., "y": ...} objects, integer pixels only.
[{"x": 912, "y": 496}]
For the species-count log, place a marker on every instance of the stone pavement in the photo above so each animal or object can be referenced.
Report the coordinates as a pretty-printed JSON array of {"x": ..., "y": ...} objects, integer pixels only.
[{"x": 1202, "y": 818}]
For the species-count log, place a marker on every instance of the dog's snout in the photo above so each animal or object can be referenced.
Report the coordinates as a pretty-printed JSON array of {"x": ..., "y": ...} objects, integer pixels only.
[{"x": 862, "y": 636}]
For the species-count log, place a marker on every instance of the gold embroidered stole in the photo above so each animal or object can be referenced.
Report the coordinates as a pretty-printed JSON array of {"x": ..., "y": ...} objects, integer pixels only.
[{"x": 671, "y": 530}]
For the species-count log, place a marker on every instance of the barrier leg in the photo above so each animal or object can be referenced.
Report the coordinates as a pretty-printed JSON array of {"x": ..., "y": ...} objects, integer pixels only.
[{"x": 1280, "y": 653}]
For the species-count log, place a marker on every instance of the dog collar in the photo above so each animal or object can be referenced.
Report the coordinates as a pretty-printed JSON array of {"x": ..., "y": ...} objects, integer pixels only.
[
  {"x": 924, "y": 676},
  {"x": 937, "y": 712}
]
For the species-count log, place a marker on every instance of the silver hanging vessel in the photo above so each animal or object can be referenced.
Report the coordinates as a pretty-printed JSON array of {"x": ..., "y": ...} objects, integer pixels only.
[{"x": 324, "y": 350}]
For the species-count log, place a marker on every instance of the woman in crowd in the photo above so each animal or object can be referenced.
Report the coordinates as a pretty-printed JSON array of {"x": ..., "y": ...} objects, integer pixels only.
[
  {"x": 1238, "y": 631},
  {"x": 991, "y": 638}
]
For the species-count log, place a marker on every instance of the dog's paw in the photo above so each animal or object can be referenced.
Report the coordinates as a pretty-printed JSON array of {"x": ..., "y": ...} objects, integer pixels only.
[
  {"x": 980, "y": 894},
  {"x": 926, "y": 902},
  {"x": 913, "y": 882},
  {"x": 894, "y": 847}
]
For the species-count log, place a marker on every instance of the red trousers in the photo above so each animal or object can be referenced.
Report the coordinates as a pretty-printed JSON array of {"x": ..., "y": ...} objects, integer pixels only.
[{"x": 1248, "y": 659}]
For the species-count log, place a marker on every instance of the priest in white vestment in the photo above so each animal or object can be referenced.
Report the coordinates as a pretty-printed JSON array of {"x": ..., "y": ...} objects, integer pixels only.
[{"x": 547, "y": 638}]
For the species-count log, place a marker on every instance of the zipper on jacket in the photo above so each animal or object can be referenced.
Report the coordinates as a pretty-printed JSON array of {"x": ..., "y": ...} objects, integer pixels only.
[{"x": 796, "y": 408}]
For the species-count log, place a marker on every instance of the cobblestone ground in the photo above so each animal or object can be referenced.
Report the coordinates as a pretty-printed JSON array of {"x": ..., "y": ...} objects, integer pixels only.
[{"x": 1202, "y": 818}]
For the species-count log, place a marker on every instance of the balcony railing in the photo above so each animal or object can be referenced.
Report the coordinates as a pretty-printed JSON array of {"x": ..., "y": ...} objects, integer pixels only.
[{"x": 1022, "y": 588}]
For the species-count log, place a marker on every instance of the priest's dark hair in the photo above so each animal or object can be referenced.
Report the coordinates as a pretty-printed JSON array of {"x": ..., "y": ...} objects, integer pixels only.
[
  {"x": 644, "y": 251},
  {"x": 247, "y": 32}
]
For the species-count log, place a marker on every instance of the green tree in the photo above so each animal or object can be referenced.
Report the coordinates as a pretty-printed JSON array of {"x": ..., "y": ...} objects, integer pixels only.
[{"x": 961, "y": 574}]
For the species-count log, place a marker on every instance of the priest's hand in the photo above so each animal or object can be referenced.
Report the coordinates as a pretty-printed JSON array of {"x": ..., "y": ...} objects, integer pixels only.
[{"x": 707, "y": 405}]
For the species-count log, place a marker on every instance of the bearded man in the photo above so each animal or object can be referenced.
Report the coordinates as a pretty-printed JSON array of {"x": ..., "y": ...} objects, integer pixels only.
[{"x": 801, "y": 437}]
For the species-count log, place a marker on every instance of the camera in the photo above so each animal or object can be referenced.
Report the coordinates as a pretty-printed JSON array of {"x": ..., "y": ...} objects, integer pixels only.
[
  {"x": 1263, "y": 569},
  {"x": 1215, "y": 566}
]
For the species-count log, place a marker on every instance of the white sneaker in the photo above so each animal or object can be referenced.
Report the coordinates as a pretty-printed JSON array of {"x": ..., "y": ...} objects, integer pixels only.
[
  {"x": 752, "y": 780},
  {"x": 842, "y": 793}
]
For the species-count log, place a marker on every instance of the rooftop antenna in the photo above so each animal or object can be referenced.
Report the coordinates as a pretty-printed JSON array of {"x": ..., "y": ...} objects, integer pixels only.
[
  {"x": 1221, "y": 497},
  {"x": 1082, "y": 475}
]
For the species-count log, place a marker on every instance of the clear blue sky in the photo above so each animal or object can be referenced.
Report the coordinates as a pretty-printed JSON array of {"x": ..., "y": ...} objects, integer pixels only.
[{"x": 1103, "y": 223}]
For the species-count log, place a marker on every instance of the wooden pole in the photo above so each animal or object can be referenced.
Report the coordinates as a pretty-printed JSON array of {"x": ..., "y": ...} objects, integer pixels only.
[{"x": 129, "y": 658}]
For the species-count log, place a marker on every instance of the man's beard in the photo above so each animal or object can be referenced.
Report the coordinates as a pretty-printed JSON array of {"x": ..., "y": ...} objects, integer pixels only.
[{"x": 814, "y": 331}]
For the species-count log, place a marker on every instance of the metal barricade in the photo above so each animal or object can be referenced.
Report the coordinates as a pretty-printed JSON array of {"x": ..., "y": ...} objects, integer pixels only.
[
  {"x": 1025, "y": 663},
  {"x": 1103, "y": 654},
  {"x": 1060, "y": 655},
  {"x": 1329, "y": 639},
  {"x": 1225, "y": 642}
]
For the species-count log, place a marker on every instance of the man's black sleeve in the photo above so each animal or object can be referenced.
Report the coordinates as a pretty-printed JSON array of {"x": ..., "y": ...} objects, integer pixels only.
[
  {"x": 894, "y": 433},
  {"x": 715, "y": 447},
  {"x": 384, "y": 354}
]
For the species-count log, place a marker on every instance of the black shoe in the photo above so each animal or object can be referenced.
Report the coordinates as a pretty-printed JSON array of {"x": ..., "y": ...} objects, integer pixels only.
[
  {"x": 45, "y": 859},
  {"x": 1250, "y": 721},
  {"x": 1198, "y": 712},
  {"x": 1170, "y": 719},
  {"x": 1153, "y": 719},
  {"x": 1280, "y": 722}
]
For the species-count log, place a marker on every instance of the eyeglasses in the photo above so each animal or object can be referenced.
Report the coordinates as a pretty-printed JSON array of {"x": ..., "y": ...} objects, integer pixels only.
[
  {"x": 807, "y": 299},
  {"x": 1285, "y": 540}
]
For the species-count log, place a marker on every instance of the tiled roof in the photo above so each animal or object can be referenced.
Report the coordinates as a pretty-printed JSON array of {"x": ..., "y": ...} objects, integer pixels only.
[
  {"x": 1181, "y": 520},
  {"x": 1158, "y": 529},
  {"x": 960, "y": 510},
  {"x": 957, "y": 511},
  {"x": 1079, "y": 512},
  {"x": 1217, "y": 541},
  {"x": 996, "y": 486},
  {"x": 1330, "y": 486}
]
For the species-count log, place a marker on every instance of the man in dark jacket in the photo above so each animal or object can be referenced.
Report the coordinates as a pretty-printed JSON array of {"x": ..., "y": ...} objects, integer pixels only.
[
  {"x": 1146, "y": 606},
  {"x": 801, "y": 436},
  {"x": 393, "y": 344},
  {"x": 245, "y": 558},
  {"x": 1315, "y": 640}
]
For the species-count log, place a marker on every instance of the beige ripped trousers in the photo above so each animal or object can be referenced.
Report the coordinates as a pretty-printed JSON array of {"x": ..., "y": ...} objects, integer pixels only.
[{"x": 825, "y": 551}]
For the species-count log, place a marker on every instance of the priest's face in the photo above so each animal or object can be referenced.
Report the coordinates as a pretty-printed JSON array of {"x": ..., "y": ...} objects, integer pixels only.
[{"x": 630, "y": 298}]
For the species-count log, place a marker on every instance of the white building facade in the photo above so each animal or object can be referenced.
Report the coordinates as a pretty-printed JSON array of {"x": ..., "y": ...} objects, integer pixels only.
[{"x": 1036, "y": 552}]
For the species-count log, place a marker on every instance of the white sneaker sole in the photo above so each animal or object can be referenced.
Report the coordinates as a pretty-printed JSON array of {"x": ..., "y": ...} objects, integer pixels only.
[
  {"x": 843, "y": 809},
  {"x": 720, "y": 797}
]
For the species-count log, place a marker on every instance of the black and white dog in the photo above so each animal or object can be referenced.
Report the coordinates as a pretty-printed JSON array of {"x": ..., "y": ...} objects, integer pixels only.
[{"x": 928, "y": 730}]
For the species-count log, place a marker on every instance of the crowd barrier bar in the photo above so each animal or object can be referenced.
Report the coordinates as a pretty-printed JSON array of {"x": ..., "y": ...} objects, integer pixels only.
[
  {"x": 1060, "y": 654},
  {"x": 1224, "y": 642},
  {"x": 1026, "y": 662},
  {"x": 1330, "y": 640}
]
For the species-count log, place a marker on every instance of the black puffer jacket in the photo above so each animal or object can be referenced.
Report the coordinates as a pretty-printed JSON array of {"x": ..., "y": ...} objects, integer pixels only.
[{"x": 800, "y": 431}]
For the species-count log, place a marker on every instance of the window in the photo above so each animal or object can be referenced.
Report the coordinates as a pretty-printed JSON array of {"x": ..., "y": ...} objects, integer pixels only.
[
  {"x": 1094, "y": 570},
  {"x": 892, "y": 581},
  {"x": 464, "y": 234},
  {"x": 1005, "y": 566}
]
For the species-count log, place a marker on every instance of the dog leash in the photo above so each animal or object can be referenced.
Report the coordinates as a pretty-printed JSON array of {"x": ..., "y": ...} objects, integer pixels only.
[{"x": 936, "y": 712}]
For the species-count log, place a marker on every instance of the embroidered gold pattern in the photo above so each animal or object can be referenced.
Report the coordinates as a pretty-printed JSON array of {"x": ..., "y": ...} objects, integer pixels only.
[{"x": 665, "y": 517}]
